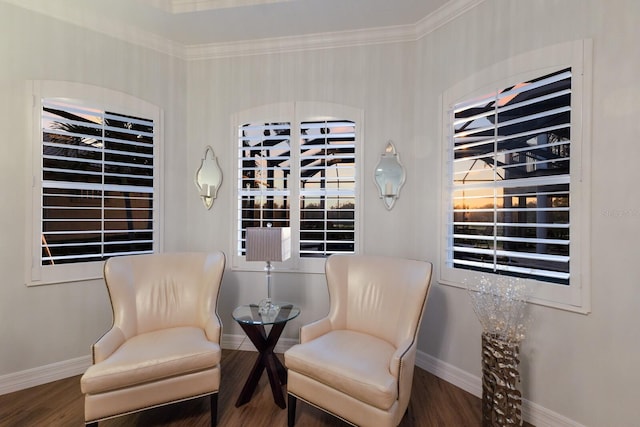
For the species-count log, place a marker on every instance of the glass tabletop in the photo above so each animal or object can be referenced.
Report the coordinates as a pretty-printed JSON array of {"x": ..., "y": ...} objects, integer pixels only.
[{"x": 249, "y": 314}]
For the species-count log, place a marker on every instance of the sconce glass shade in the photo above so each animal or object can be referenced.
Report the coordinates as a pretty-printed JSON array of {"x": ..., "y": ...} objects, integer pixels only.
[
  {"x": 208, "y": 177},
  {"x": 389, "y": 176}
]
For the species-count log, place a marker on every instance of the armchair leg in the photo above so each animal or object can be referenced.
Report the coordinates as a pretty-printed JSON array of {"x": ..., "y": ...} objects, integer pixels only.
[
  {"x": 92, "y": 424},
  {"x": 291, "y": 410},
  {"x": 213, "y": 400}
]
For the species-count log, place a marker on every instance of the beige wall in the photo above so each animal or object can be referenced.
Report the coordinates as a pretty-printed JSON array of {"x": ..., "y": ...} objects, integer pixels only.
[
  {"x": 46, "y": 324},
  {"x": 376, "y": 79},
  {"x": 578, "y": 366}
]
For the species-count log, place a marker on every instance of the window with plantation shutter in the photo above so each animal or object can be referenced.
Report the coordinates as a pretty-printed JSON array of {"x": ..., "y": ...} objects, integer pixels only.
[
  {"x": 511, "y": 180},
  {"x": 300, "y": 173},
  {"x": 516, "y": 176},
  {"x": 97, "y": 184},
  {"x": 94, "y": 180}
]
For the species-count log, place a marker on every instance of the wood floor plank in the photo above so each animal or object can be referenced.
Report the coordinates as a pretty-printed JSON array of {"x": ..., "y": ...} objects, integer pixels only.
[{"x": 434, "y": 402}]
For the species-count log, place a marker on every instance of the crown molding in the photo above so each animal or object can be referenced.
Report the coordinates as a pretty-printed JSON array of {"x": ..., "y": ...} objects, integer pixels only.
[
  {"x": 445, "y": 14},
  {"x": 184, "y": 6},
  {"x": 302, "y": 43},
  {"x": 130, "y": 34},
  {"x": 404, "y": 33}
]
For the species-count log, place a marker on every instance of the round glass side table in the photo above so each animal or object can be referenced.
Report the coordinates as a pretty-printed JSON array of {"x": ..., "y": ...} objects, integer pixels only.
[{"x": 253, "y": 323}]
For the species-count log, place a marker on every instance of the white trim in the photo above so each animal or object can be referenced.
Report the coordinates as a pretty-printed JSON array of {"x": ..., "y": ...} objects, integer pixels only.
[
  {"x": 43, "y": 374},
  {"x": 185, "y": 6},
  {"x": 382, "y": 35},
  {"x": 575, "y": 54},
  {"x": 531, "y": 412},
  {"x": 277, "y": 45},
  {"x": 131, "y": 34},
  {"x": 445, "y": 14},
  {"x": 95, "y": 97},
  {"x": 449, "y": 373}
]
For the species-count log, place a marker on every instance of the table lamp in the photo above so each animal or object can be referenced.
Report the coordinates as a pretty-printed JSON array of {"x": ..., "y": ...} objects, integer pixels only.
[{"x": 268, "y": 244}]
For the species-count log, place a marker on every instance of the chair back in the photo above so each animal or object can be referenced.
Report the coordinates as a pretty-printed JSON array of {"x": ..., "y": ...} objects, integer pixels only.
[
  {"x": 157, "y": 291},
  {"x": 380, "y": 296}
]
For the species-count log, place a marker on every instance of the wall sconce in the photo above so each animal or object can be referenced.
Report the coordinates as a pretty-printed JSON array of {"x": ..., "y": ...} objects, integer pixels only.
[
  {"x": 389, "y": 176},
  {"x": 208, "y": 177}
]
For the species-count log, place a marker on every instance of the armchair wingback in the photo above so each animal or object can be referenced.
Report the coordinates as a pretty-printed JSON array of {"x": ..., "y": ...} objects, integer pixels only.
[
  {"x": 357, "y": 362},
  {"x": 164, "y": 345}
]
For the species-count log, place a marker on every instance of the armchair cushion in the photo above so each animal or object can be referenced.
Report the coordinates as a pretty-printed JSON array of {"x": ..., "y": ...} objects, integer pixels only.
[
  {"x": 151, "y": 357},
  {"x": 360, "y": 369}
]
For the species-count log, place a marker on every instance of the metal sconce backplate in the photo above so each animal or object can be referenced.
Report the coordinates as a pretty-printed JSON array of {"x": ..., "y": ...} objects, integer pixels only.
[
  {"x": 208, "y": 178},
  {"x": 389, "y": 176}
]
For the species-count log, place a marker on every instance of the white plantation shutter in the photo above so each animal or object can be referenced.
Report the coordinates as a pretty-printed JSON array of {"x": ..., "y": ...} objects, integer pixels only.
[
  {"x": 511, "y": 181},
  {"x": 298, "y": 170},
  {"x": 97, "y": 183},
  {"x": 264, "y": 171},
  {"x": 327, "y": 187}
]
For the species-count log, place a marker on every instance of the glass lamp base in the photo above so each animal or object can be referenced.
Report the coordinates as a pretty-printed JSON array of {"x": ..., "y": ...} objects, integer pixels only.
[{"x": 267, "y": 308}]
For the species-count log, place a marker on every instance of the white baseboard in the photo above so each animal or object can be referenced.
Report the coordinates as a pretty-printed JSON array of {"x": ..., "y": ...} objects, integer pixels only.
[
  {"x": 531, "y": 412},
  {"x": 68, "y": 368},
  {"x": 43, "y": 374},
  {"x": 449, "y": 373}
]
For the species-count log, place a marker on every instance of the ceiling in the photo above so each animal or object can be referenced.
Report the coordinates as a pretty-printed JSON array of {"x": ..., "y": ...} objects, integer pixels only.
[{"x": 203, "y": 22}]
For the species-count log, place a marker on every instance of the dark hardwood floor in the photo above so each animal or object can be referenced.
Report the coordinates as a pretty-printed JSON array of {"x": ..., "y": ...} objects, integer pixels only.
[{"x": 433, "y": 403}]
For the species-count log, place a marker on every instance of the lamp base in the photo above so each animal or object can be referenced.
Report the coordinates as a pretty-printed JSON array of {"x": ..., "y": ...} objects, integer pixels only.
[{"x": 267, "y": 308}]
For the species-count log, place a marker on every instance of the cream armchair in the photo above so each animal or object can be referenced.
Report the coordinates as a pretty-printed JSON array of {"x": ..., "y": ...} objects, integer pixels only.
[
  {"x": 357, "y": 363},
  {"x": 164, "y": 345}
]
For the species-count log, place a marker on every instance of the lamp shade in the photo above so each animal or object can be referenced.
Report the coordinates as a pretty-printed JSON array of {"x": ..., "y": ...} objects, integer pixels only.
[{"x": 268, "y": 243}]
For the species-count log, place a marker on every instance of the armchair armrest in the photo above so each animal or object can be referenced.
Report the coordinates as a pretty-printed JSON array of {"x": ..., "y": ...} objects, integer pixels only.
[
  {"x": 315, "y": 329},
  {"x": 107, "y": 344},
  {"x": 402, "y": 366},
  {"x": 213, "y": 329},
  {"x": 400, "y": 357}
]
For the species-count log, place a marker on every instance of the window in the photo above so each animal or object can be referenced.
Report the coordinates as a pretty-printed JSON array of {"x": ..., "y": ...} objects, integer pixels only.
[
  {"x": 95, "y": 186},
  {"x": 511, "y": 181},
  {"x": 300, "y": 173},
  {"x": 515, "y": 187}
]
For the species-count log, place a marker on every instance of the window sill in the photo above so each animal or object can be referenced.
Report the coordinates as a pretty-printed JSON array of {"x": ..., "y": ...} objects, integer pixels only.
[{"x": 537, "y": 297}]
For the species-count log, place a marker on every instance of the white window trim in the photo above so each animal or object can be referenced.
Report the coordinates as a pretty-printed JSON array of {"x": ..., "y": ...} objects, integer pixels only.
[
  {"x": 295, "y": 113},
  {"x": 91, "y": 96},
  {"x": 578, "y": 55}
]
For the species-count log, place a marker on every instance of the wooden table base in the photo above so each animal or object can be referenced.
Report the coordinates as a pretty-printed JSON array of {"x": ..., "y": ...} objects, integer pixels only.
[{"x": 266, "y": 359}]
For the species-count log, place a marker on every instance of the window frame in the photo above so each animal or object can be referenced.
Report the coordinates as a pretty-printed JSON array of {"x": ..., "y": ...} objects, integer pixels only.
[
  {"x": 576, "y": 55},
  {"x": 295, "y": 113},
  {"x": 87, "y": 96}
]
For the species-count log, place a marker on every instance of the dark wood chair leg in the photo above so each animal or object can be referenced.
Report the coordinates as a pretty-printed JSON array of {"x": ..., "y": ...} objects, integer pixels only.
[
  {"x": 93, "y": 424},
  {"x": 291, "y": 411},
  {"x": 213, "y": 400}
]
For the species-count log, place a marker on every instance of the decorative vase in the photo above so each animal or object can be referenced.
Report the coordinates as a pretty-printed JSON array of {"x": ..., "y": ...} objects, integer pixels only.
[{"x": 501, "y": 397}]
